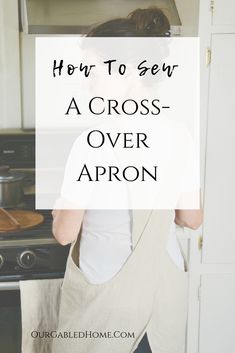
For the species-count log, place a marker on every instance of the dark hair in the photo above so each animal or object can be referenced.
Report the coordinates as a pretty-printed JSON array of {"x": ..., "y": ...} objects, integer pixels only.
[{"x": 151, "y": 22}]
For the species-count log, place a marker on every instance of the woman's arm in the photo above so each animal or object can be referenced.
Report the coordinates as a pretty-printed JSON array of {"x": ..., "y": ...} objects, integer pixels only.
[
  {"x": 189, "y": 218},
  {"x": 66, "y": 225}
]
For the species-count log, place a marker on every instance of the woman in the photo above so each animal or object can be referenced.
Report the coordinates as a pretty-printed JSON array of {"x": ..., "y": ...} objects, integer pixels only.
[{"x": 106, "y": 236}]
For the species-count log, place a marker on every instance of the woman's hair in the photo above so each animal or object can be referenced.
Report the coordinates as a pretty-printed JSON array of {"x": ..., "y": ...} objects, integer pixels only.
[{"x": 151, "y": 22}]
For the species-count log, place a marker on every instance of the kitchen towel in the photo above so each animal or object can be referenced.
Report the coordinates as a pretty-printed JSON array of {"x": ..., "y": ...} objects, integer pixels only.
[{"x": 39, "y": 313}]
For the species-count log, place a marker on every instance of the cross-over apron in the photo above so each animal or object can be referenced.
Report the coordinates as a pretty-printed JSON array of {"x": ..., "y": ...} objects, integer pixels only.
[{"x": 148, "y": 294}]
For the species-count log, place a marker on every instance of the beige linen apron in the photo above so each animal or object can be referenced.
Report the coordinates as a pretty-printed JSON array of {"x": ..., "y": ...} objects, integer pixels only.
[{"x": 149, "y": 294}]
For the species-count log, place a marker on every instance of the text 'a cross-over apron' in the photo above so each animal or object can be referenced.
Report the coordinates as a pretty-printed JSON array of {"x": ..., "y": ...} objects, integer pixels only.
[{"x": 148, "y": 294}]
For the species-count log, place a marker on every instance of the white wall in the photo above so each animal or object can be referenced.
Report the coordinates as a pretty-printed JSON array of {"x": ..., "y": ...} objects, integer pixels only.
[{"x": 10, "y": 113}]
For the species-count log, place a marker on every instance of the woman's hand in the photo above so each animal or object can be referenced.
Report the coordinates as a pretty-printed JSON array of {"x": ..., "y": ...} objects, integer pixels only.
[
  {"x": 189, "y": 218},
  {"x": 66, "y": 225}
]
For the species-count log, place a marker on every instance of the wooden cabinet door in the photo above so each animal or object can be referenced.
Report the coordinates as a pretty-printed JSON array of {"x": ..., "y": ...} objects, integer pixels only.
[
  {"x": 219, "y": 207},
  {"x": 217, "y": 314}
]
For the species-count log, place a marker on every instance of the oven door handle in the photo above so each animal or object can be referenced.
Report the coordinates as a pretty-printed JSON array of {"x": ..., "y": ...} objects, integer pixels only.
[{"x": 9, "y": 286}]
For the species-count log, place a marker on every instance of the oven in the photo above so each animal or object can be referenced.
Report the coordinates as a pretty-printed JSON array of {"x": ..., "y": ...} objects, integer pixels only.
[{"x": 25, "y": 254}]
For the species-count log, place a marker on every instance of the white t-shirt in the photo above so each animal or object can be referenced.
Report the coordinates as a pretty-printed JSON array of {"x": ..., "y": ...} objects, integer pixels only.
[{"x": 106, "y": 244}]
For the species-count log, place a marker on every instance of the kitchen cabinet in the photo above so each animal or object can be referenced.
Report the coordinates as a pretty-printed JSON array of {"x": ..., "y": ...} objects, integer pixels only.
[
  {"x": 218, "y": 229},
  {"x": 10, "y": 101},
  {"x": 217, "y": 314},
  {"x": 216, "y": 273},
  {"x": 223, "y": 12}
]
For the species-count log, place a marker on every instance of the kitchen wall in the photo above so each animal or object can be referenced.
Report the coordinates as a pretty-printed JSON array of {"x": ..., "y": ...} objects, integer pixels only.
[
  {"x": 10, "y": 93},
  {"x": 189, "y": 13}
]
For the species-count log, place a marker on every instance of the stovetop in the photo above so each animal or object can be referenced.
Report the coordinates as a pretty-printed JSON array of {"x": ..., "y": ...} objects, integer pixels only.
[{"x": 33, "y": 253}]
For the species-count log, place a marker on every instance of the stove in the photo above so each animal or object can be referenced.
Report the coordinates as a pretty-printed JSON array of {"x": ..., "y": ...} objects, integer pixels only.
[{"x": 32, "y": 253}]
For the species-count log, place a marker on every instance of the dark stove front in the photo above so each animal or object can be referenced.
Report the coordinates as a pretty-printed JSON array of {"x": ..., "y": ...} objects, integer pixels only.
[
  {"x": 27, "y": 254},
  {"x": 50, "y": 263},
  {"x": 10, "y": 321}
]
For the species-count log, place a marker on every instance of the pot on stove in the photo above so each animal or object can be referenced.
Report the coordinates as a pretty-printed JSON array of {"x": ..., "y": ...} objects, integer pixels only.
[{"x": 11, "y": 187}]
